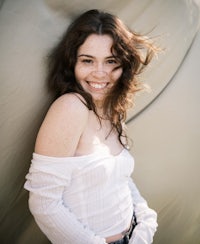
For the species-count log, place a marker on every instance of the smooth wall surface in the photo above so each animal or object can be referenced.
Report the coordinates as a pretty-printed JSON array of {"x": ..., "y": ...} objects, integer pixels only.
[{"x": 166, "y": 134}]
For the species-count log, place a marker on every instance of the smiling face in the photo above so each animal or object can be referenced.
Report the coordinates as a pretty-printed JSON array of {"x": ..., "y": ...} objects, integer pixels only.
[{"x": 96, "y": 69}]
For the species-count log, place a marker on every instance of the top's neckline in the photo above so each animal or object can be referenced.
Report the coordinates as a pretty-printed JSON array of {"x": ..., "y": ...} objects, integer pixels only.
[
  {"x": 105, "y": 152},
  {"x": 99, "y": 152}
]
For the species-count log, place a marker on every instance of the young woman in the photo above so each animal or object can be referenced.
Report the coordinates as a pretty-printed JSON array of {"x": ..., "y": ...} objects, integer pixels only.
[{"x": 80, "y": 183}]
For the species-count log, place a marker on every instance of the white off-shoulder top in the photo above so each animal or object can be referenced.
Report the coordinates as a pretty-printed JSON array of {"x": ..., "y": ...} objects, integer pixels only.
[{"x": 85, "y": 199}]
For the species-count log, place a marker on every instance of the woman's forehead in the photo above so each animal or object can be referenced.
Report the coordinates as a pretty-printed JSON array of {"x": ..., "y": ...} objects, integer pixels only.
[{"x": 96, "y": 45}]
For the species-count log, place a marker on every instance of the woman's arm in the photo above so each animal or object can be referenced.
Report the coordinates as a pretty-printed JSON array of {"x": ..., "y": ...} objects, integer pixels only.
[
  {"x": 47, "y": 179},
  {"x": 146, "y": 218},
  {"x": 62, "y": 127},
  {"x": 58, "y": 137}
]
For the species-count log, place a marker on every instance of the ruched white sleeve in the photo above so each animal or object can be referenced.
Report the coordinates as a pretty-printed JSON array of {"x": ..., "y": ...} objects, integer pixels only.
[
  {"x": 146, "y": 218},
  {"x": 46, "y": 182}
]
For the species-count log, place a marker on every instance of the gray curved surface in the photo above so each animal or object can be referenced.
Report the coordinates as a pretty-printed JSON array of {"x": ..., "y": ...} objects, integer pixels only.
[{"x": 166, "y": 134}]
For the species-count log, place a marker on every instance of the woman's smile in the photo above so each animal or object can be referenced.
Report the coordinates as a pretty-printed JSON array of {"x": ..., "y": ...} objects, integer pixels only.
[{"x": 97, "y": 86}]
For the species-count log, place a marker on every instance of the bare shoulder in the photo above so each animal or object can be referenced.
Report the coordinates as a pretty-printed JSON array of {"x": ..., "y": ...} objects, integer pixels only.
[
  {"x": 62, "y": 127},
  {"x": 68, "y": 108},
  {"x": 71, "y": 101}
]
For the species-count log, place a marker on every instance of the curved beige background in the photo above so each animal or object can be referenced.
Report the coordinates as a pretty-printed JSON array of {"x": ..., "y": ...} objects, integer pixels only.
[
  {"x": 166, "y": 135},
  {"x": 167, "y": 154}
]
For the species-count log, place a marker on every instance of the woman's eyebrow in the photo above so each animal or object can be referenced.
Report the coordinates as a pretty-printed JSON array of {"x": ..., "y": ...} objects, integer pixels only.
[
  {"x": 85, "y": 55},
  {"x": 90, "y": 56},
  {"x": 110, "y": 57}
]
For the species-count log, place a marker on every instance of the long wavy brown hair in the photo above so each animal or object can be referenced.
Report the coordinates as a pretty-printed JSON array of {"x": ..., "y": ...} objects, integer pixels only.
[{"x": 133, "y": 51}]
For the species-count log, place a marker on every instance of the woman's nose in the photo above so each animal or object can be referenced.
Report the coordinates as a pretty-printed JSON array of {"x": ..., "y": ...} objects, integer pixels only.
[
  {"x": 99, "y": 70},
  {"x": 99, "y": 74}
]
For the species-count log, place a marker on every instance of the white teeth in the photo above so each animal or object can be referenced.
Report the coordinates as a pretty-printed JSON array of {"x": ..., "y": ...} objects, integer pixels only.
[{"x": 98, "y": 85}]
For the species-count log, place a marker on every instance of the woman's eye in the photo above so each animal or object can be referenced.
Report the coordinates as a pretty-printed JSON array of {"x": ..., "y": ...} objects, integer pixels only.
[
  {"x": 87, "y": 61},
  {"x": 111, "y": 61}
]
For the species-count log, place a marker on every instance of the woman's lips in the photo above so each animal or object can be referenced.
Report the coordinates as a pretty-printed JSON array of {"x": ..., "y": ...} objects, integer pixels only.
[{"x": 98, "y": 85}]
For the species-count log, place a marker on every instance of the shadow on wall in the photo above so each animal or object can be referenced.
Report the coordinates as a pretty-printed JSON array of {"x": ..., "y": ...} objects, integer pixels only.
[{"x": 28, "y": 30}]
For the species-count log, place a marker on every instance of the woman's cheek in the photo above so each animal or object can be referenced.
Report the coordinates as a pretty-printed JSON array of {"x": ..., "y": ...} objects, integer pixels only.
[
  {"x": 79, "y": 72},
  {"x": 116, "y": 74}
]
